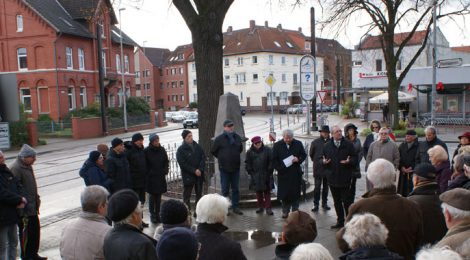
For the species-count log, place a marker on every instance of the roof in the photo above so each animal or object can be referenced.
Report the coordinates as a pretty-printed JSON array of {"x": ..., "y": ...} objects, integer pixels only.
[
  {"x": 329, "y": 46},
  {"x": 461, "y": 48},
  {"x": 83, "y": 9},
  {"x": 181, "y": 54},
  {"x": 116, "y": 38},
  {"x": 57, "y": 17},
  {"x": 373, "y": 42},
  {"x": 157, "y": 56}
]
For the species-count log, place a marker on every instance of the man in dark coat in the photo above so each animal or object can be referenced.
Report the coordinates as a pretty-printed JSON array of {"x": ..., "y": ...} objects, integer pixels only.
[
  {"x": 192, "y": 161},
  {"x": 288, "y": 155},
  {"x": 92, "y": 171},
  {"x": 10, "y": 201},
  {"x": 316, "y": 154},
  {"x": 116, "y": 167},
  {"x": 158, "y": 166},
  {"x": 339, "y": 160},
  {"x": 408, "y": 150},
  {"x": 426, "y": 195},
  {"x": 125, "y": 240},
  {"x": 431, "y": 141},
  {"x": 227, "y": 148}
]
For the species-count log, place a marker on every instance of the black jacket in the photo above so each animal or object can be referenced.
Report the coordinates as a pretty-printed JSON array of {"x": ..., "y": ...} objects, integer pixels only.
[
  {"x": 126, "y": 242},
  {"x": 116, "y": 168},
  {"x": 339, "y": 175},
  {"x": 10, "y": 196},
  {"x": 227, "y": 154},
  {"x": 191, "y": 158},
  {"x": 408, "y": 155},
  {"x": 258, "y": 164},
  {"x": 138, "y": 166},
  {"x": 158, "y": 166},
  {"x": 92, "y": 174},
  {"x": 427, "y": 198},
  {"x": 365, "y": 148},
  {"x": 216, "y": 246},
  {"x": 316, "y": 154},
  {"x": 422, "y": 154},
  {"x": 371, "y": 253}
]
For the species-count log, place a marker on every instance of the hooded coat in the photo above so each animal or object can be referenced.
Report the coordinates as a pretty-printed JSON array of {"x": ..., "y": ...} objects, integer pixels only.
[
  {"x": 10, "y": 197},
  {"x": 92, "y": 174}
]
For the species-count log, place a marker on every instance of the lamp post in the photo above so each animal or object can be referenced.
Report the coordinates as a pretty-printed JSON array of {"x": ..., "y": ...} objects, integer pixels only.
[
  {"x": 434, "y": 59},
  {"x": 123, "y": 84},
  {"x": 144, "y": 85}
]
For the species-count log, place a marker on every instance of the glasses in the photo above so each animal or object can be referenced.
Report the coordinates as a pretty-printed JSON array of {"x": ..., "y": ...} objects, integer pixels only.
[{"x": 383, "y": 133}]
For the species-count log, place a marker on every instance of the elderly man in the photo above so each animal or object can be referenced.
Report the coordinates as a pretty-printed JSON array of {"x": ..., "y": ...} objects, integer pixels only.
[
  {"x": 407, "y": 150},
  {"x": 339, "y": 160},
  {"x": 456, "y": 208},
  {"x": 431, "y": 141},
  {"x": 401, "y": 217},
  {"x": 384, "y": 148},
  {"x": 426, "y": 195},
  {"x": 10, "y": 200},
  {"x": 288, "y": 154},
  {"x": 29, "y": 225},
  {"x": 211, "y": 212},
  {"x": 227, "y": 148},
  {"x": 319, "y": 174},
  {"x": 116, "y": 167},
  {"x": 125, "y": 240},
  {"x": 84, "y": 237}
]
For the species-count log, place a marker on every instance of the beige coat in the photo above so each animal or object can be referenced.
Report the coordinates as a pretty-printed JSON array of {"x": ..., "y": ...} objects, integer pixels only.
[
  {"x": 456, "y": 236},
  {"x": 388, "y": 151},
  {"x": 83, "y": 238}
]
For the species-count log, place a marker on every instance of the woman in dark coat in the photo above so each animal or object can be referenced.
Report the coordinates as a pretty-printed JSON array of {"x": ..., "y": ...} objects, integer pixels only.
[
  {"x": 350, "y": 134},
  {"x": 92, "y": 172},
  {"x": 258, "y": 166},
  {"x": 157, "y": 167},
  {"x": 440, "y": 160}
]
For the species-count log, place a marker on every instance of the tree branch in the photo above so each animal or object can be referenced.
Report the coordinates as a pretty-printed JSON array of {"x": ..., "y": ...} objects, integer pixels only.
[{"x": 187, "y": 12}]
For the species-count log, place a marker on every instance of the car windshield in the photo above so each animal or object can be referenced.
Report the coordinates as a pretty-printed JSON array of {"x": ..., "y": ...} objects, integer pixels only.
[{"x": 192, "y": 116}]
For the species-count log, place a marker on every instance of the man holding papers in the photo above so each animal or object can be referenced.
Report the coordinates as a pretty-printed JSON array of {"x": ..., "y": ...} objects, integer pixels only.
[{"x": 288, "y": 154}]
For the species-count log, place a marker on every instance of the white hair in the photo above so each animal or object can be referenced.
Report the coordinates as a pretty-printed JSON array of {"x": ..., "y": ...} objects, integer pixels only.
[
  {"x": 431, "y": 129},
  {"x": 212, "y": 208},
  {"x": 455, "y": 212},
  {"x": 439, "y": 153},
  {"x": 128, "y": 219},
  {"x": 365, "y": 230},
  {"x": 288, "y": 132},
  {"x": 381, "y": 174},
  {"x": 92, "y": 197},
  {"x": 311, "y": 251},
  {"x": 436, "y": 253}
]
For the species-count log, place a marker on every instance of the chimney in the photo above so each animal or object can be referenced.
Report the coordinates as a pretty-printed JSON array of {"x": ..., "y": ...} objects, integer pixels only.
[
  {"x": 300, "y": 29},
  {"x": 279, "y": 27},
  {"x": 266, "y": 24},
  {"x": 229, "y": 29},
  {"x": 252, "y": 24}
]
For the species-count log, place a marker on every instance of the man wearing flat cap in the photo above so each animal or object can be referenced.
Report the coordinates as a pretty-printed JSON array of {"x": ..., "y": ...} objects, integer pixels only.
[
  {"x": 426, "y": 195},
  {"x": 456, "y": 208},
  {"x": 126, "y": 240},
  {"x": 227, "y": 148},
  {"x": 116, "y": 167},
  {"x": 319, "y": 174},
  {"x": 408, "y": 150}
]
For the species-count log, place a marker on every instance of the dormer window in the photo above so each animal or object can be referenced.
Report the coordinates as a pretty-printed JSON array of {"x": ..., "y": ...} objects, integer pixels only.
[
  {"x": 289, "y": 45},
  {"x": 19, "y": 23},
  {"x": 277, "y": 44}
]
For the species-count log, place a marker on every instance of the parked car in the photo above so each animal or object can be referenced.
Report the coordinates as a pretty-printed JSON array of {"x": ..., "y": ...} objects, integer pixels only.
[
  {"x": 177, "y": 117},
  {"x": 191, "y": 121},
  {"x": 297, "y": 109}
]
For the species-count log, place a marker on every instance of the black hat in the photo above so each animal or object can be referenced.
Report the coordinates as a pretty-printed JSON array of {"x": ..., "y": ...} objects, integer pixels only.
[
  {"x": 411, "y": 132},
  {"x": 324, "y": 128},
  {"x": 173, "y": 212},
  {"x": 116, "y": 141},
  {"x": 94, "y": 155},
  {"x": 457, "y": 198},
  {"x": 349, "y": 126},
  {"x": 153, "y": 136},
  {"x": 228, "y": 122},
  {"x": 178, "y": 243},
  {"x": 121, "y": 204},
  {"x": 137, "y": 137},
  {"x": 185, "y": 133},
  {"x": 425, "y": 170}
]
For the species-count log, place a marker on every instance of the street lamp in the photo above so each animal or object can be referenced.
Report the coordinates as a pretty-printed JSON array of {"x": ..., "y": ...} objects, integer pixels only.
[
  {"x": 123, "y": 84},
  {"x": 144, "y": 85}
]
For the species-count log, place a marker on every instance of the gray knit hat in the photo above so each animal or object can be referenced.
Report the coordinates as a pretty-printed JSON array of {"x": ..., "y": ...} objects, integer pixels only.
[{"x": 27, "y": 151}]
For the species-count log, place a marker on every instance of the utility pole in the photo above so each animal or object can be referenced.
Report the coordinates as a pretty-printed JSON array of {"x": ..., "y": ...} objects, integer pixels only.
[
  {"x": 123, "y": 83},
  {"x": 101, "y": 79},
  {"x": 312, "y": 52},
  {"x": 434, "y": 60},
  {"x": 338, "y": 81}
]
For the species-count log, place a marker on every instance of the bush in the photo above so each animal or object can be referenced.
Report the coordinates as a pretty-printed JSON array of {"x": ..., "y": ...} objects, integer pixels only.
[
  {"x": 193, "y": 105},
  {"x": 92, "y": 110},
  {"x": 345, "y": 111},
  {"x": 18, "y": 131},
  {"x": 44, "y": 118},
  {"x": 114, "y": 112},
  {"x": 137, "y": 106}
]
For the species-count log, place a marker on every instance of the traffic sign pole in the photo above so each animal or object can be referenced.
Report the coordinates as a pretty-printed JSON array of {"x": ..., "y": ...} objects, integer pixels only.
[
  {"x": 270, "y": 80},
  {"x": 307, "y": 83}
]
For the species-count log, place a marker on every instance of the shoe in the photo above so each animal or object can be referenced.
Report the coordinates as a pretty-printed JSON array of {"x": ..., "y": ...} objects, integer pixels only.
[
  {"x": 285, "y": 214},
  {"x": 145, "y": 225},
  {"x": 260, "y": 210},
  {"x": 194, "y": 214},
  {"x": 269, "y": 212},
  {"x": 237, "y": 211},
  {"x": 326, "y": 207},
  {"x": 337, "y": 225},
  {"x": 40, "y": 258},
  {"x": 315, "y": 208}
]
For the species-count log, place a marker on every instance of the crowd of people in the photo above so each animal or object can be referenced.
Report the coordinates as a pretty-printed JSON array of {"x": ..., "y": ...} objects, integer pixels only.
[{"x": 417, "y": 204}]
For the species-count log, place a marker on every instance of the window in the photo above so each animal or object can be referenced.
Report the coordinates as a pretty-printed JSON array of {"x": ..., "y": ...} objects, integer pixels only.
[
  {"x": 137, "y": 87},
  {"x": 180, "y": 56},
  {"x": 126, "y": 63},
  {"x": 181, "y": 84},
  {"x": 227, "y": 79},
  {"x": 357, "y": 63},
  {"x": 81, "y": 59},
  {"x": 240, "y": 78},
  {"x": 102, "y": 29},
  {"x": 118, "y": 63},
  {"x": 195, "y": 97},
  {"x": 173, "y": 84},
  {"x": 294, "y": 78},
  {"x": 137, "y": 74},
  {"x": 71, "y": 98},
  {"x": 254, "y": 59},
  {"x": 277, "y": 44},
  {"x": 255, "y": 77},
  {"x": 289, "y": 45},
  {"x": 168, "y": 98},
  {"x": 194, "y": 82},
  {"x": 103, "y": 55},
  {"x": 271, "y": 60},
  {"x": 240, "y": 61},
  {"x": 181, "y": 97},
  {"x": 167, "y": 84},
  {"x": 68, "y": 55},
  {"x": 19, "y": 23},
  {"x": 22, "y": 59},
  {"x": 26, "y": 99},
  {"x": 295, "y": 61},
  {"x": 83, "y": 101},
  {"x": 283, "y": 77},
  {"x": 161, "y": 85},
  {"x": 147, "y": 73},
  {"x": 181, "y": 71},
  {"x": 283, "y": 60},
  {"x": 226, "y": 62},
  {"x": 378, "y": 65},
  {"x": 193, "y": 66},
  {"x": 283, "y": 95}
]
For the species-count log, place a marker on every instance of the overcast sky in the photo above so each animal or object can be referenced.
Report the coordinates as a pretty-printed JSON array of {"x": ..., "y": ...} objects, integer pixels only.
[{"x": 159, "y": 23}]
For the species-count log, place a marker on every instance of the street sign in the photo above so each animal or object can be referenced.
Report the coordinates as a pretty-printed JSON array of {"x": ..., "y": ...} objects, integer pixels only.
[
  {"x": 4, "y": 136},
  {"x": 307, "y": 77},
  {"x": 447, "y": 63},
  {"x": 270, "y": 80},
  {"x": 321, "y": 94}
]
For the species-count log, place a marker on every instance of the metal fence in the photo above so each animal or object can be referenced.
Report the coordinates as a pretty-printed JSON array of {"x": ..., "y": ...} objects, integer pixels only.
[
  {"x": 50, "y": 127},
  {"x": 114, "y": 122}
]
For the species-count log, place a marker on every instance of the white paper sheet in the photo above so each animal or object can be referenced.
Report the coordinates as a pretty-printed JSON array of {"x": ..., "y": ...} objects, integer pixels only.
[{"x": 288, "y": 161}]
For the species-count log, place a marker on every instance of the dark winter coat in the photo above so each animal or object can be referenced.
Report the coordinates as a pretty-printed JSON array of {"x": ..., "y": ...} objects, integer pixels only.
[
  {"x": 27, "y": 179},
  {"x": 190, "y": 158},
  {"x": 127, "y": 242},
  {"x": 116, "y": 168},
  {"x": 358, "y": 151},
  {"x": 459, "y": 182},
  {"x": 284, "y": 251},
  {"x": 443, "y": 174},
  {"x": 137, "y": 165},
  {"x": 227, "y": 154},
  {"x": 215, "y": 246},
  {"x": 427, "y": 198},
  {"x": 258, "y": 164},
  {"x": 370, "y": 253},
  {"x": 365, "y": 148},
  {"x": 288, "y": 179},
  {"x": 408, "y": 155},
  {"x": 316, "y": 154},
  {"x": 422, "y": 154},
  {"x": 92, "y": 174},
  {"x": 402, "y": 217},
  {"x": 158, "y": 166},
  {"x": 10, "y": 197},
  {"x": 339, "y": 175}
]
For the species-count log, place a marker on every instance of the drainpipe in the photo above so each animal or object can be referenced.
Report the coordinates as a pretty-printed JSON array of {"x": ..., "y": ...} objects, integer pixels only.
[{"x": 57, "y": 76}]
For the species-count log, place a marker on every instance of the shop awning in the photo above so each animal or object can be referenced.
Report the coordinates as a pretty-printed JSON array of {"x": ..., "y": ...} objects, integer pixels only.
[{"x": 383, "y": 98}]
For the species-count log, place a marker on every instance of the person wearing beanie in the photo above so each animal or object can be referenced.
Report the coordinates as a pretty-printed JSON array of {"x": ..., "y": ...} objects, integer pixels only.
[
  {"x": 158, "y": 166},
  {"x": 192, "y": 161},
  {"x": 173, "y": 213},
  {"x": 92, "y": 172},
  {"x": 407, "y": 150},
  {"x": 126, "y": 240},
  {"x": 178, "y": 244},
  {"x": 258, "y": 165},
  {"x": 117, "y": 168},
  {"x": 319, "y": 173},
  {"x": 138, "y": 167},
  {"x": 28, "y": 225}
]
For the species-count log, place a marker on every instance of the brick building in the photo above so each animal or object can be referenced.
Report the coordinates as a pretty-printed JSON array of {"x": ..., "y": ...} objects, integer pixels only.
[{"x": 51, "y": 48}]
